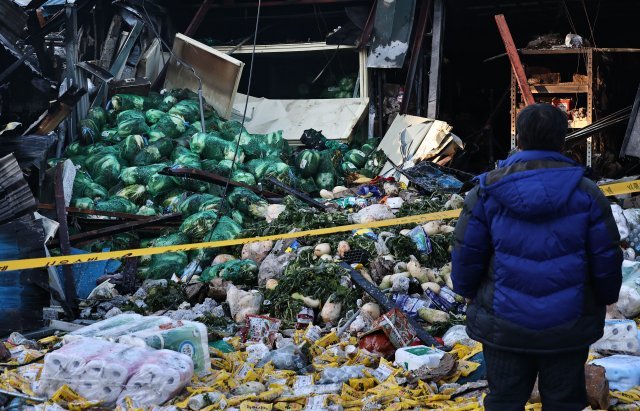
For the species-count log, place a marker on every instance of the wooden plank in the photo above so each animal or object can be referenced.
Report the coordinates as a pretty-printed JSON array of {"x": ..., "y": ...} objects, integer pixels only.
[
  {"x": 436, "y": 59},
  {"x": 580, "y": 50},
  {"x": 220, "y": 74},
  {"x": 512, "y": 52},
  {"x": 74, "y": 210},
  {"x": 561, "y": 88}
]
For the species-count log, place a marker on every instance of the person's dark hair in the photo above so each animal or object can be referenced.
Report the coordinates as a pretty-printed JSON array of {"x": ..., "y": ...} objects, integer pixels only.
[{"x": 541, "y": 127}]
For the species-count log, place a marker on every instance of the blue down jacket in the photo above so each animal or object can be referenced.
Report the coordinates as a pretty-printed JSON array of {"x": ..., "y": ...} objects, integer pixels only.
[{"x": 537, "y": 250}]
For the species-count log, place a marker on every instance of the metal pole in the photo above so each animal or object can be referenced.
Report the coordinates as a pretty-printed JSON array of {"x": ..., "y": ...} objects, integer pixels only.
[{"x": 436, "y": 59}]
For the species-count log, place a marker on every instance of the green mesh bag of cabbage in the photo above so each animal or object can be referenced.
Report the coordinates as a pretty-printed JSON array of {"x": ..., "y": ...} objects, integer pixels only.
[
  {"x": 237, "y": 271},
  {"x": 226, "y": 229},
  {"x": 210, "y": 146},
  {"x": 197, "y": 226},
  {"x": 116, "y": 204},
  {"x": 141, "y": 174},
  {"x": 169, "y": 125},
  {"x": 123, "y": 102},
  {"x": 131, "y": 122},
  {"x": 131, "y": 146},
  {"x": 199, "y": 202},
  {"x": 104, "y": 168},
  {"x": 84, "y": 186},
  {"x": 248, "y": 202},
  {"x": 164, "y": 265}
]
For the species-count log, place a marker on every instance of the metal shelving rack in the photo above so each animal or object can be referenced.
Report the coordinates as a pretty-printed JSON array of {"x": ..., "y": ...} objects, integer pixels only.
[{"x": 590, "y": 55}]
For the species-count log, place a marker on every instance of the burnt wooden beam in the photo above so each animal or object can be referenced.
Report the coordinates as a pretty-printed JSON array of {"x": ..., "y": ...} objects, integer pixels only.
[
  {"x": 514, "y": 57},
  {"x": 116, "y": 229},
  {"x": 208, "y": 177},
  {"x": 82, "y": 211}
]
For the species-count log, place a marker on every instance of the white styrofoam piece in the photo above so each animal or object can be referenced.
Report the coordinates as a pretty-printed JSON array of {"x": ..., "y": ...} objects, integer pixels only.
[{"x": 336, "y": 118}]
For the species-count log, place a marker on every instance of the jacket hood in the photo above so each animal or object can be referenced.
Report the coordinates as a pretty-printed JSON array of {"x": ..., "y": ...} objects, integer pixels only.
[{"x": 540, "y": 187}]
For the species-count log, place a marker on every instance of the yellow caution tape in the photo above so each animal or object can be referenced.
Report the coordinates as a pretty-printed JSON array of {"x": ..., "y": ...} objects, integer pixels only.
[
  {"x": 617, "y": 189},
  {"x": 11, "y": 265},
  {"x": 137, "y": 252}
]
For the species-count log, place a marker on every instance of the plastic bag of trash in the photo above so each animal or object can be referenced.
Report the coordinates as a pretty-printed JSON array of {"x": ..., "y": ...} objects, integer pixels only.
[
  {"x": 629, "y": 299},
  {"x": 621, "y": 221},
  {"x": 332, "y": 375},
  {"x": 288, "y": 357},
  {"x": 374, "y": 212},
  {"x": 243, "y": 303},
  {"x": 632, "y": 215},
  {"x": 457, "y": 335}
]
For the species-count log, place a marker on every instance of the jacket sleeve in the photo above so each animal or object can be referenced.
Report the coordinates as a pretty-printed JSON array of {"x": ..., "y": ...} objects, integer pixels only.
[
  {"x": 603, "y": 249},
  {"x": 472, "y": 247}
]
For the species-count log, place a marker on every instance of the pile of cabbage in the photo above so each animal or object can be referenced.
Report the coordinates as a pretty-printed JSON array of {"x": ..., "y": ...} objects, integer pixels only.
[{"x": 121, "y": 151}]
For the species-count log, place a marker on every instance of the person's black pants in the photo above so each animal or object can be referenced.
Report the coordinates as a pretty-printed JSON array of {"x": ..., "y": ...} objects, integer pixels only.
[{"x": 511, "y": 377}]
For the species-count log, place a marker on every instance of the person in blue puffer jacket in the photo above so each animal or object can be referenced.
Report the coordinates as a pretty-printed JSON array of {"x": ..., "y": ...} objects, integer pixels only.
[{"x": 537, "y": 257}]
